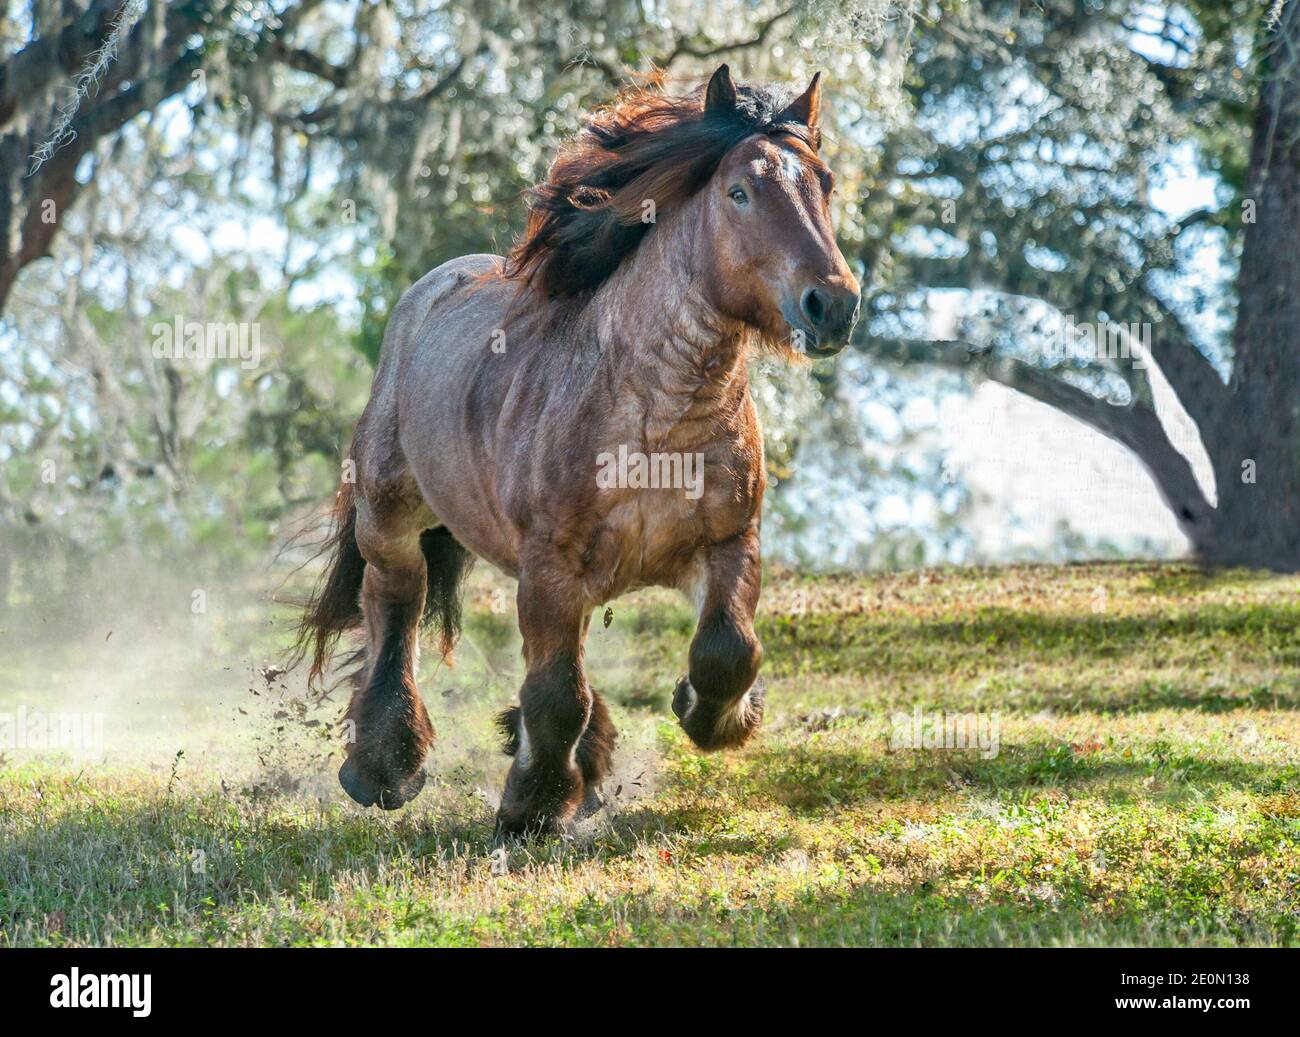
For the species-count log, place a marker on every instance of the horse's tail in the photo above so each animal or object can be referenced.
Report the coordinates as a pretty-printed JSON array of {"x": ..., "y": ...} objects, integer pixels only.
[
  {"x": 447, "y": 562},
  {"x": 335, "y": 604}
]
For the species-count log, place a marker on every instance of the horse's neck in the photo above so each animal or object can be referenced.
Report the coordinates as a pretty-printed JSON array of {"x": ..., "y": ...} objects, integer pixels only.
[{"x": 664, "y": 342}]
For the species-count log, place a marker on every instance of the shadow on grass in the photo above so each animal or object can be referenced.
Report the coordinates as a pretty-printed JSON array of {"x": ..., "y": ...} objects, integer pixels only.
[
  {"x": 1190, "y": 579},
  {"x": 209, "y": 868},
  {"x": 867, "y": 916},
  {"x": 1148, "y": 695},
  {"x": 147, "y": 862},
  {"x": 196, "y": 868},
  {"x": 837, "y": 643},
  {"x": 817, "y": 779}
]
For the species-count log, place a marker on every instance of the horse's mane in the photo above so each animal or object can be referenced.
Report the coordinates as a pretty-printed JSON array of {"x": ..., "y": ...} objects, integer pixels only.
[{"x": 587, "y": 215}]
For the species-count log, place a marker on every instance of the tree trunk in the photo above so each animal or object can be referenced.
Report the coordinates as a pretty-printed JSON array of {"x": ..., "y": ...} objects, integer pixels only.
[{"x": 1256, "y": 445}]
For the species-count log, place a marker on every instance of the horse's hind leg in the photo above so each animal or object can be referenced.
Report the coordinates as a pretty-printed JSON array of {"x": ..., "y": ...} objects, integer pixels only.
[
  {"x": 391, "y": 732},
  {"x": 717, "y": 703},
  {"x": 560, "y": 735}
]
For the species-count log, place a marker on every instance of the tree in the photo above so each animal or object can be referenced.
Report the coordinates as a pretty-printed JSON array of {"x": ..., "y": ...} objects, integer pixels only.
[
  {"x": 39, "y": 83},
  {"x": 87, "y": 68},
  {"x": 1005, "y": 152},
  {"x": 1041, "y": 206}
]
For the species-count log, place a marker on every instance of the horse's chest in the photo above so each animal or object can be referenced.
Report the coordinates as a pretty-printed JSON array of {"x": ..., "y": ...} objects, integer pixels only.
[{"x": 655, "y": 518}]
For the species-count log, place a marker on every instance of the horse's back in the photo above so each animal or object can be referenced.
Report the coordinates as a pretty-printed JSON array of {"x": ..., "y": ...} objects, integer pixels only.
[{"x": 438, "y": 286}]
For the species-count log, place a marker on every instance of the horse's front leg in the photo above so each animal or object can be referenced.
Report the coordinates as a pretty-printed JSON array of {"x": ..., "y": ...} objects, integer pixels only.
[
  {"x": 560, "y": 734},
  {"x": 717, "y": 703}
]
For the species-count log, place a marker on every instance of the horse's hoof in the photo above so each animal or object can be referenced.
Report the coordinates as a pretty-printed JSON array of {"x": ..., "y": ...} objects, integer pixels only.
[
  {"x": 683, "y": 698},
  {"x": 368, "y": 792},
  {"x": 591, "y": 804},
  {"x": 712, "y": 726},
  {"x": 511, "y": 829},
  {"x": 403, "y": 792},
  {"x": 504, "y": 833},
  {"x": 356, "y": 785}
]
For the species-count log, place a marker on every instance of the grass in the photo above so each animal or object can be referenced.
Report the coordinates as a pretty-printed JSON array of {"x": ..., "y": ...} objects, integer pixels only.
[{"x": 1145, "y": 788}]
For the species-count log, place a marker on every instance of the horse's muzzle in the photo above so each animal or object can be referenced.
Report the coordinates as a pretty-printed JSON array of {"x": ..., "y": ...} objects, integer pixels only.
[{"x": 823, "y": 322}]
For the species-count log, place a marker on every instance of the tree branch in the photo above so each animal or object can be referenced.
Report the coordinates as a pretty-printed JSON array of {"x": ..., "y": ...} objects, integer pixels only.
[
  {"x": 30, "y": 72},
  {"x": 684, "y": 48},
  {"x": 1195, "y": 382},
  {"x": 56, "y": 181},
  {"x": 1135, "y": 425},
  {"x": 303, "y": 60}
]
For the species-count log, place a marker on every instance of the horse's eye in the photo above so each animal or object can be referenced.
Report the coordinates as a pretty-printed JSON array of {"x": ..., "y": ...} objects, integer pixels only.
[{"x": 738, "y": 195}]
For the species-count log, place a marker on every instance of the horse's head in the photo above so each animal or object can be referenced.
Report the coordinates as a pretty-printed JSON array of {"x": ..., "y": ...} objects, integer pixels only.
[
  {"x": 741, "y": 165},
  {"x": 776, "y": 265}
]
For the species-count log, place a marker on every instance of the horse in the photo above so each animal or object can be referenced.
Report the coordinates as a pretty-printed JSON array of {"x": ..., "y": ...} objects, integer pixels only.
[{"x": 540, "y": 411}]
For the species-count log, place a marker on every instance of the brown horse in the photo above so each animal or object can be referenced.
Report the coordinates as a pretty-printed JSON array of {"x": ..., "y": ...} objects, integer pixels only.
[{"x": 578, "y": 414}]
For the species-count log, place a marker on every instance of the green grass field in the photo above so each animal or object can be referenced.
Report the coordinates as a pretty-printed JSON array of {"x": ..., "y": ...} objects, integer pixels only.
[{"x": 1146, "y": 788}]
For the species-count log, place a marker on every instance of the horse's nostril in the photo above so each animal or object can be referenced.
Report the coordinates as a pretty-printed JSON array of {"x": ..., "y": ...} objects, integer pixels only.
[{"x": 816, "y": 304}]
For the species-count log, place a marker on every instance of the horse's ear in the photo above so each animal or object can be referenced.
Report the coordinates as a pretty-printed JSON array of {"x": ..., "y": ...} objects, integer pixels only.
[
  {"x": 807, "y": 107},
  {"x": 721, "y": 91}
]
